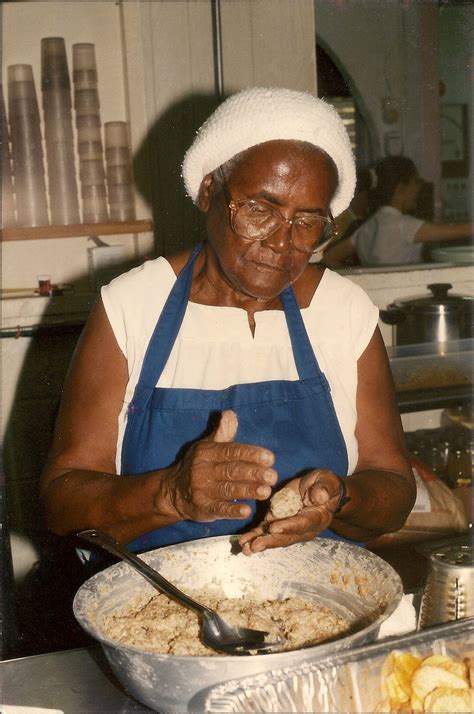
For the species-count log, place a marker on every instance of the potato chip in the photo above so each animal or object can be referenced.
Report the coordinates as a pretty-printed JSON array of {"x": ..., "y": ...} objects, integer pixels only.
[
  {"x": 383, "y": 707},
  {"x": 437, "y": 683},
  {"x": 395, "y": 691},
  {"x": 447, "y": 699},
  {"x": 435, "y": 660},
  {"x": 454, "y": 666},
  {"x": 416, "y": 704},
  {"x": 426, "y": 678},
  {"x": 404, "y": 666},
  {"x": 387, "y": 669},
  {"x": 470, "y": 670}
]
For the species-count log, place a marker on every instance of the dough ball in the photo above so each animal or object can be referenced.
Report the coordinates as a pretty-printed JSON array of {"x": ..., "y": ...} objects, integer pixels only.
[{"x": 285, "y": 503}]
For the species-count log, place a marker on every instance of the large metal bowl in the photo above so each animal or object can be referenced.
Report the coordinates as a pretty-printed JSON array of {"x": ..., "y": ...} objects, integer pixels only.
[{"x": 352, "y": 581}]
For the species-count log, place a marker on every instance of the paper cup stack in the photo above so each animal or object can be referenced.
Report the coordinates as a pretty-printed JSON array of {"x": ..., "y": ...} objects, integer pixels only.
[
  {"x": 27, "y": 148},
  {"x": 59, "y": 138},
  {"x": 89, "y": 137},
  {"x": 118, "y": 158},
  {"x": 8, "y": 201}
]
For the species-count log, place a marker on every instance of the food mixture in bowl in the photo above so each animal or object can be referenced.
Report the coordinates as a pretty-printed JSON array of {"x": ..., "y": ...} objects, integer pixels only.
[{"x": 164, "y": 626}]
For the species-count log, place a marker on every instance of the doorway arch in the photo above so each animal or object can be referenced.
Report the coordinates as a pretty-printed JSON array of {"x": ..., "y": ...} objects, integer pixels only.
[{"x": 335, "y": 85}]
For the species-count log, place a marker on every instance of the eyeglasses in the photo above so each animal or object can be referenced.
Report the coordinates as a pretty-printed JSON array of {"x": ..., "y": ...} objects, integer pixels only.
[{"x": 255, "y": 220}]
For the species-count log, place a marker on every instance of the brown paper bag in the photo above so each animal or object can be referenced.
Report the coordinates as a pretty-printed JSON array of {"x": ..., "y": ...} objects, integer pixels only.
[{"x": 437, "y": 512}]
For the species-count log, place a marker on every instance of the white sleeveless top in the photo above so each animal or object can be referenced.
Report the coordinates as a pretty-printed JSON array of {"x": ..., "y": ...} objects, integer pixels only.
[
  {"x": 388, "y": 238},
  {"x": 215, "y": 347}
]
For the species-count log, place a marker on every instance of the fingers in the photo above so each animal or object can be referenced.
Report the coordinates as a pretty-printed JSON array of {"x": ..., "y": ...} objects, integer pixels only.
[
  {"x": 231, "y": 451},
  {"x": 226, "y": 449},
  {"x": 305, "y": 526},
  {"x": 264, "y": 537},
  {"x": 227, "y": 428},
  {"x": 217, "y": 472},
  {"x": 320, "y": 488},
  {"x": 230, "y": 471},
  {"x": 220, "y": 510},
  {"x": 242, "y": 483},
  {"x": 213, "y": 477},
  {"x": 223, "y": 498}
]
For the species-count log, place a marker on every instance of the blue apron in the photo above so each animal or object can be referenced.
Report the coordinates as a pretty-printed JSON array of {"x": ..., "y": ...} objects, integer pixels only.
[{"x": 296, "y": 420}]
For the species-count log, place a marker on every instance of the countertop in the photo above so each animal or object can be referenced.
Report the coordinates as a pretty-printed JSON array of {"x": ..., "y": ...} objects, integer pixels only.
[{"x": 76, "y": 681}]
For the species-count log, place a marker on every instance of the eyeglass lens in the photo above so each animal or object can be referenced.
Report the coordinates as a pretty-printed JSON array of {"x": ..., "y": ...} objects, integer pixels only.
[{"x": 257, "y": 221}]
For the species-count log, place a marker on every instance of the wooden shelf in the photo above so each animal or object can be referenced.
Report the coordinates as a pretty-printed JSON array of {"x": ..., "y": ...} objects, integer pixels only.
[{"x": 76, "y": 230}]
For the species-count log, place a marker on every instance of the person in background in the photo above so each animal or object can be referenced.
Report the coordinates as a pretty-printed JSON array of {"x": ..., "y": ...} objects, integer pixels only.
[
  {"x": 357, "y": 212},
  {"x": 204, "y": 381},
  {"x": 392, "y": 236},
  {"x": 359, "y": 208}
]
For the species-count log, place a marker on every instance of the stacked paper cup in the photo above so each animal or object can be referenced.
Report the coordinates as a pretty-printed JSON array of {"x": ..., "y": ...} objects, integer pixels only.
[
  {"x": 27, "y": 148},
  {"x": 89, "y": 137},
  {"x": 118, "y": 158},
  {"x": 8, "y": 202},
  {"x": 57, "y": 112}
]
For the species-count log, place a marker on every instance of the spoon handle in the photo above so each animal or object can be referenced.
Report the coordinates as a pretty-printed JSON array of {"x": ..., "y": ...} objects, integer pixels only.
[{"x": 97, "y": 537}]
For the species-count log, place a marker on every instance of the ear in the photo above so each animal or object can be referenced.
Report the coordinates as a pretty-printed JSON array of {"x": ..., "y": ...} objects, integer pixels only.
[{"x": 205, "y": 190}]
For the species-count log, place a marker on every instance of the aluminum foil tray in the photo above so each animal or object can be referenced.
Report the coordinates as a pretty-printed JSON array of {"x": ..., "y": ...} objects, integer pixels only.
[{"x": 347, "y": 682}]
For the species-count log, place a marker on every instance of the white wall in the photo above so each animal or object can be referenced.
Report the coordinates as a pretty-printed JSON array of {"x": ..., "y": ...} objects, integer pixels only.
[
  {"x": 264, "y": 42},
  {"x": 268, "y": 43},
  {"x": 378, "y": 45},
  {"x": 456, "y": 58}
]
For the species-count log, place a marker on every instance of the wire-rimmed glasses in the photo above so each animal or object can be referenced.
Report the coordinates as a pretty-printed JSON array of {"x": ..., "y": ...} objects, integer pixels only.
[{"x": 254, "y": 220}]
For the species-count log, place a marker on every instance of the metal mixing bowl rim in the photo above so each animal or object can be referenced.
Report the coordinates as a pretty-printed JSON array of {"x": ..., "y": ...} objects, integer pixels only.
[{"x": 83, "y": 593}]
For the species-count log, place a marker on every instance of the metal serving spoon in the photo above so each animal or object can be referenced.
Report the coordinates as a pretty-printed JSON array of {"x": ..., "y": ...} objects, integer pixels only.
[{"x": 215, "y": 632}]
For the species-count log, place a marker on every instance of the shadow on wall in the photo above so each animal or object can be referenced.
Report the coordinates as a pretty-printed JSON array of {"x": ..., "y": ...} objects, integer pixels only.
[
  {"x": 157, "y": 170},
  {"x": 40, "y": 572}
]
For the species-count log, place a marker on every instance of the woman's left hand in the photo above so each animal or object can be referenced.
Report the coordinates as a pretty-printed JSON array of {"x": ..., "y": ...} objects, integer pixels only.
[{"x": 320, "y": 493}]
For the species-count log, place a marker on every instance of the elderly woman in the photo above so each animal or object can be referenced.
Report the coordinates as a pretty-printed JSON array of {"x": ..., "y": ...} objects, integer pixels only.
[{"x": 205, "y": 381}]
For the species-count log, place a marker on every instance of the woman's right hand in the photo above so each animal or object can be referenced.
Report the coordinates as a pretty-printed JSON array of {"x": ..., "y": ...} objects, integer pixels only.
[{"x": 218, "y": 472}]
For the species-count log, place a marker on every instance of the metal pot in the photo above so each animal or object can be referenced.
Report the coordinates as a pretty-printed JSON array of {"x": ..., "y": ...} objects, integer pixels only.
[
  {"x": 350, "y": 580},
  {"x": 438, "y": 317}
]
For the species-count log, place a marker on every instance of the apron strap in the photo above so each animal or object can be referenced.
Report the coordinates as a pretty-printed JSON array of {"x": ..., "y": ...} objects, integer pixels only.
[
  {"x": 303, "y": 353},
  {"x": 167, "y": 327}
]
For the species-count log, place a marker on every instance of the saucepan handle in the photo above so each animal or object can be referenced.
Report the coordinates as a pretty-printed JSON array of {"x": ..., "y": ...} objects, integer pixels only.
[{"x": 392, "y": 316}]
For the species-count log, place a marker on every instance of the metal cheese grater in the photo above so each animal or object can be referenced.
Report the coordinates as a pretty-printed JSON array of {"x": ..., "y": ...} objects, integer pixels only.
[{"x": 449, "y": 591}]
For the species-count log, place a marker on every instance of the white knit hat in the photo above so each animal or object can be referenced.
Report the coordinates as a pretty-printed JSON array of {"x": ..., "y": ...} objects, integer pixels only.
[{"x": 256, "y": 115}]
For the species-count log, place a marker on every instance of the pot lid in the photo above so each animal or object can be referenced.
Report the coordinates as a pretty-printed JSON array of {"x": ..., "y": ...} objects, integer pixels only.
[{"x": 439, "y": 301}]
